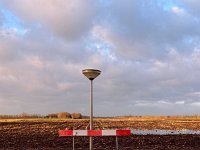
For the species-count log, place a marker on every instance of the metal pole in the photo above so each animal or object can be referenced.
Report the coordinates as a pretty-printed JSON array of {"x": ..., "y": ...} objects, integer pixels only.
[
  {"x": 91, "y": 112},
  {"x": 117, "y": 146},
  {"x": 73, "y": 144}
]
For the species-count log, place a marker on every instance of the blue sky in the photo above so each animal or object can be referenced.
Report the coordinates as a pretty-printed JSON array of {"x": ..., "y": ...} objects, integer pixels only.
[
  {"x": 148, "y": 52},
  {"x": 11, "y": 21}
]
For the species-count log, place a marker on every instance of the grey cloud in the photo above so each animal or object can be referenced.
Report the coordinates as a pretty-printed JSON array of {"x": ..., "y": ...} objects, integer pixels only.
[
  {"x": 143, "y": 29},
  {"x": 193, "y": 6},
  {"x": 68, "y": 19}
]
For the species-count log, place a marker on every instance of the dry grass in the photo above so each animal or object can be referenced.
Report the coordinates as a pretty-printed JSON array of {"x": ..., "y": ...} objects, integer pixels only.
[
  {"x": 131, "y": 118},
  {"x": 175, "y": 118},
  {"x": 144, "y": 122}
]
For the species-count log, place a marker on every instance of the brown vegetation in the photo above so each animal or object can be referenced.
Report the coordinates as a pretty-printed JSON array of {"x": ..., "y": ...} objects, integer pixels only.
[
  {"x": 21, "y": 116},
  {"x": 60, "y": 115},
  {"x": 64, "y": 115},
  {"x": 52, "y": 115},
  {"x": 76, "y": 116}
]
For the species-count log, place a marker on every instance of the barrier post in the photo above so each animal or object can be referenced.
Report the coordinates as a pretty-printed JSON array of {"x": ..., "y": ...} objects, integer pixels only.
[
  {"x": 117, "y": 146},
  {"x": 73, "y": 143}
]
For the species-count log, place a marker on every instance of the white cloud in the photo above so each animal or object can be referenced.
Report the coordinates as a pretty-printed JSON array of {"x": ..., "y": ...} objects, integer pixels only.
[
  {"x": 163, "y": 102},
  {"x": 178, "y": 10},
  {"x": 180, "y": 102},
  {"x": 196, "y": 104}
]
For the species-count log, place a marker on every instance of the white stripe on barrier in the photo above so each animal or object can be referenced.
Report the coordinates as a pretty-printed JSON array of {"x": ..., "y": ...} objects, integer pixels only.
[
  {"x": 80, "y": 133},
  {"x": 109, "y": 132}
]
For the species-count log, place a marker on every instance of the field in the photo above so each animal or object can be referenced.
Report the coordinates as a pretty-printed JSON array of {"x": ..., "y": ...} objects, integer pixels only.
[{"x": 43, "y": 133}]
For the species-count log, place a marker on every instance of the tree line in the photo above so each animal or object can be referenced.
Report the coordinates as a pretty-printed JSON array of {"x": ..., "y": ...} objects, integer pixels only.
[{"x": 52, "y": 115}]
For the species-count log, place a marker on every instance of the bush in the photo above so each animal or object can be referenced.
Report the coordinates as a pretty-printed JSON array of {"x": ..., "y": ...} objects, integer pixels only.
[
  {"x": 64, "y": 115},
  {"x": 76, "y": 116},
  {"x": 52, "y": 116}
]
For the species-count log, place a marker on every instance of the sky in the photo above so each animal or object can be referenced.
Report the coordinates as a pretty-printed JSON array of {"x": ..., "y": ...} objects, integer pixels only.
[{"x": 148, "y": 52}]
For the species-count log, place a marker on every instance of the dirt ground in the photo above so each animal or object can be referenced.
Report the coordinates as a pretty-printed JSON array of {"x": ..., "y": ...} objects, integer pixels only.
[{"x": 43, "y": 134}]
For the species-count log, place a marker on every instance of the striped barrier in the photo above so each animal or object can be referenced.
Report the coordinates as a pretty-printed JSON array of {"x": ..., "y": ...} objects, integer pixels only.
[{"x": 94, "y": 132}]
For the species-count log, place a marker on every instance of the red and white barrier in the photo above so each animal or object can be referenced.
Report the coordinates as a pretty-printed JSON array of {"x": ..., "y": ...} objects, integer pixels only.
[{"x": 94, "y": 132}]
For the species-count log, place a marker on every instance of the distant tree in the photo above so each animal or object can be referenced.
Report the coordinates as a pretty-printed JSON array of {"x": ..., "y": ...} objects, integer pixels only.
[
  {"x": 52, "y": 115},
  {"x": 64, "y": 115},
  {"x": 76, "y": 116},
  {"x": 24, "y": 115}
]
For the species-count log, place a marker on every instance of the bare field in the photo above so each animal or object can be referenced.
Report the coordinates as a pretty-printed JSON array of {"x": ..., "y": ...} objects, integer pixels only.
[{"x": 43, "y": 133}]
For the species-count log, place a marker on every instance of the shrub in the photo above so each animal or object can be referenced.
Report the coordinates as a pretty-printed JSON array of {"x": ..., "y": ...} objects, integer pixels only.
[
  {"x": 64, "y": 115},
  {"x": 76, "y": 115},
  {"x": 52, "y": 116}
]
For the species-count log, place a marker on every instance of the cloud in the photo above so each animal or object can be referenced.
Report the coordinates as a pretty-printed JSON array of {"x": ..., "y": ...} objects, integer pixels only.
[
  {"x": 178, "y": 10},
  {"x": 144, "y": 29},
  {"x": 193, "y": 6},
  {"x": 68, "y": 19}
]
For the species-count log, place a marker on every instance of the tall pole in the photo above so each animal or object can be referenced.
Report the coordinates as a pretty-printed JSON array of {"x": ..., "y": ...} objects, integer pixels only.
[
  {"x": 91, "y": 113},
  {"x": 91, "y": 74}
]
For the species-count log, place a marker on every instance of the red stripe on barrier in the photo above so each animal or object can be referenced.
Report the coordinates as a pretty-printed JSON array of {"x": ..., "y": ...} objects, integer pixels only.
[
  {"x": 65, "y": 132},
  {"x": 123, "y": 132},
  {"x": 94, "y": 132}
]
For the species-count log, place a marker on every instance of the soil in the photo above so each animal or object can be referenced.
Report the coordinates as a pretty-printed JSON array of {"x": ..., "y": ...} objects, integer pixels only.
[{"x": 40, "y": 134}]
